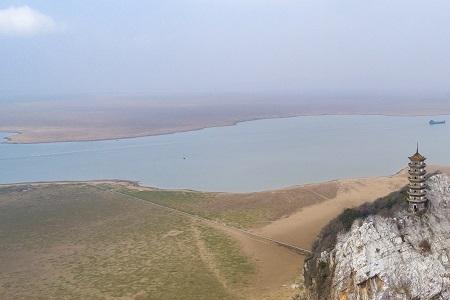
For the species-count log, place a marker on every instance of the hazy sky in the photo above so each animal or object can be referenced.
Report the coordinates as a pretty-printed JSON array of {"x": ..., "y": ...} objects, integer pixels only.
[{"x": 175, "y": 46}]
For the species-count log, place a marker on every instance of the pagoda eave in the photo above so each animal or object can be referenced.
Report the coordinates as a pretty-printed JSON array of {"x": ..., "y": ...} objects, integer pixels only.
[
  {"x": 423, "y": 194},
  {"x": 415, "y": 173},
  {"x": 415, "y": 187},
  {"x": 413, "y": 165}
]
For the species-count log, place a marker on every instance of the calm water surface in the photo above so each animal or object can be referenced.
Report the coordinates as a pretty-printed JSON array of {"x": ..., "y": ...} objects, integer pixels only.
[{"x": 250, "y": 156}]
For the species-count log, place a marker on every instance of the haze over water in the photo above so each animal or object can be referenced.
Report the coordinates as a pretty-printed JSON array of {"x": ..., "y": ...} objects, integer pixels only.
[{"x": 250, "y": 156}]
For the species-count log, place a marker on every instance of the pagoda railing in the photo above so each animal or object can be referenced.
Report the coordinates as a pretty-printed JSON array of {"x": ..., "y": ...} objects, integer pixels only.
[
  {"x": 417, "y": 185},
  {"x": 414, "y": 172},
  {"x": 417, "y": 165},
  {"x": 417, "y": 193},
  {"x": 416, "y": 179},
  {"x": 417, "y": 199}
]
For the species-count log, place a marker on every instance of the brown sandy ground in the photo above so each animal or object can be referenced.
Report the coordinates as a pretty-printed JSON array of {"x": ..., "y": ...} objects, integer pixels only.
[
  {"x": 82, "y": 119},
  {"x": 79, "y": 241}
]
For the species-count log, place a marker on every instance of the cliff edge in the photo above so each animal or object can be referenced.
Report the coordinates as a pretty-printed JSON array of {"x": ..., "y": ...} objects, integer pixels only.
[{"x": 382, "y": 251}]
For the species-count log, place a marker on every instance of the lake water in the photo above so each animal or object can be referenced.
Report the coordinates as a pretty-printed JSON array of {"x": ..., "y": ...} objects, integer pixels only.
[{"x": 250, "y": 156}]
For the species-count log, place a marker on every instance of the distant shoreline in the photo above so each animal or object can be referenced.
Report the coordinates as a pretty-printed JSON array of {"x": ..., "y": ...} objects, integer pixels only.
[
  {"x": 131, "y": 183},
  {"x": 26, "y": 136},
  {"x": 136, "y": 184}
]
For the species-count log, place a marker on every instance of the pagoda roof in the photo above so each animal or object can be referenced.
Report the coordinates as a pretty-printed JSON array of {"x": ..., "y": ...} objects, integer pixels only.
[{"x": 417, "y": 156}]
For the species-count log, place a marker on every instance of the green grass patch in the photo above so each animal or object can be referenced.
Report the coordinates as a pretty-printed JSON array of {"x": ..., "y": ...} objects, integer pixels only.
[{"x": 238, "y": 212}]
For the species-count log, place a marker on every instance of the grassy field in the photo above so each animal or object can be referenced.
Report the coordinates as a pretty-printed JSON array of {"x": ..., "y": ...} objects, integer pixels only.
[
  {"x": 243, "y": 210},
  {"x": 75, "y": 241}
]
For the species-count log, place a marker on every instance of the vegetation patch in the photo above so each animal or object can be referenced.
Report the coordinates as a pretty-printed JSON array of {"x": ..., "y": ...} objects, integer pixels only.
[{"x": 79, "y": 242}]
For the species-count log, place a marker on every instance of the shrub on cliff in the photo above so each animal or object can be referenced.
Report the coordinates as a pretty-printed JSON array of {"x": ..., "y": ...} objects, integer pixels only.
[
  {"x": 317, "y": 273},
  {"x": 385, "y": 206}
]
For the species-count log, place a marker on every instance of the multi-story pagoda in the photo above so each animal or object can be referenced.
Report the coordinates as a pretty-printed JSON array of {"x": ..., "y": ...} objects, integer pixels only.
[{"x": 417, "y": 198}]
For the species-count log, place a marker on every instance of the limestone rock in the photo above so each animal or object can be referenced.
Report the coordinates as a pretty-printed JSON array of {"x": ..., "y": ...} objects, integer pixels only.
[{"x": 401, "y": 257}]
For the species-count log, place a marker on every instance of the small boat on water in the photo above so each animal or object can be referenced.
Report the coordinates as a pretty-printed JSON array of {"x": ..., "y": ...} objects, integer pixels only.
[{"x": 433, "y": 122}]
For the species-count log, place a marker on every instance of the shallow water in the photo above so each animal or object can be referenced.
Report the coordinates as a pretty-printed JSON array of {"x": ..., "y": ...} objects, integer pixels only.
[{"x": 250, "y": 156}]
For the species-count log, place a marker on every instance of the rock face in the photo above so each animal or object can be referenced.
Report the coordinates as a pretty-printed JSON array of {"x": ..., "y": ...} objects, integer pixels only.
[{"x": 406, "y": 256}]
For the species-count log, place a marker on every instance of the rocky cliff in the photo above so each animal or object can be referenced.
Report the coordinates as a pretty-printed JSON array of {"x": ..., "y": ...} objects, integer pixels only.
[{"x": 396, "y": 256}]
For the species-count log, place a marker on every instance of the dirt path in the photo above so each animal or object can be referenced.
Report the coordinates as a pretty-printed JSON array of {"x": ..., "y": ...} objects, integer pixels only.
[{"x": 208, "y": 259}]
